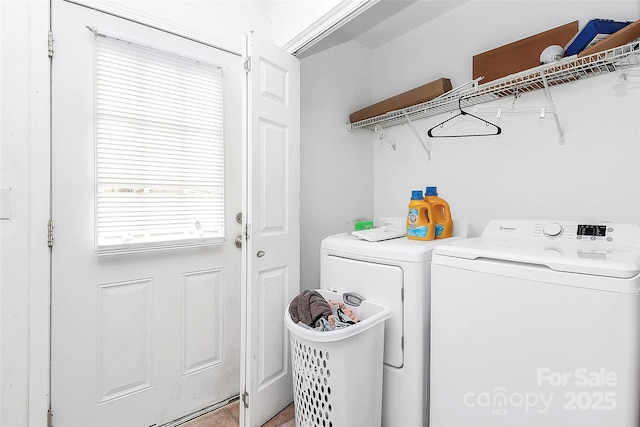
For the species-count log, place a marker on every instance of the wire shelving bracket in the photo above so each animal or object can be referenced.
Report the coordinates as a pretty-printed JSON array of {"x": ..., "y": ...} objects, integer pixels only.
[{"x": 425, "y": 143}]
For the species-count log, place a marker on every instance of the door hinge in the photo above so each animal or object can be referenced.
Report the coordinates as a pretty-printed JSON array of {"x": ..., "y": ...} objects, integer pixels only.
[
  {"x": 247, "y": 231},
  {"x": 245, "y": 399},
  {"x": 50, "y": 44},
  {"x": 247, "y": 64},
  {"x": 49, "y": 418},
  {"x": 50, "y": 233}
]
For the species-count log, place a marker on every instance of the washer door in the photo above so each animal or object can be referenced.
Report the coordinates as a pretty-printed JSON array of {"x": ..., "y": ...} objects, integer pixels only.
[{"x": 378, "y": 283}]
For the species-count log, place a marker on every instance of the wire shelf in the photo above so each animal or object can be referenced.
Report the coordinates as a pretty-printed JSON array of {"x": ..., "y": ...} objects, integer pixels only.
[{"x": 567, "y": 70}]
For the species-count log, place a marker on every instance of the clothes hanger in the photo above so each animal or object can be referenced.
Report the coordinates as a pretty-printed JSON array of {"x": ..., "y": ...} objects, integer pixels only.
[{"x": 464, "y": 113}]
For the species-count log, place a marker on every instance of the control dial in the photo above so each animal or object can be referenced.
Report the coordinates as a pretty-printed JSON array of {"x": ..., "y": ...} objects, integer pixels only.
[{"x": 552, "y": 230}]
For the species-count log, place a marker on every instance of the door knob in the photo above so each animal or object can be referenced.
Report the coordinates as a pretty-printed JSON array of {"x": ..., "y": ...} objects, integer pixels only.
[
  {"x": 260, "y": 254},
  {"x": 239, "y": 241}
]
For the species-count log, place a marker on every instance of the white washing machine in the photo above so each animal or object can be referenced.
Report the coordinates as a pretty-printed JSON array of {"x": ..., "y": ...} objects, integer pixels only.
[
  {"x": 394, "y": 273},
  {"x": 537, "y": 323}
]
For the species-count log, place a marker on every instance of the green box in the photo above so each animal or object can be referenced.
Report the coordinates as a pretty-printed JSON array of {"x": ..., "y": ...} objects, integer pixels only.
[{"x": 364, "y": 224}]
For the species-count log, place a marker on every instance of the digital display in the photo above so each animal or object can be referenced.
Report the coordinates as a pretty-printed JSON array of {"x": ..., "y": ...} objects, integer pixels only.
[{"x": 592, "y": 230}]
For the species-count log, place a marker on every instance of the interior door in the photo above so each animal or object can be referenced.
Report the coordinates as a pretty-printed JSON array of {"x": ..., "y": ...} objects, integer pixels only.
[
  {"x": 273, "y": 244},
  {"x": 138, "y": 339}
]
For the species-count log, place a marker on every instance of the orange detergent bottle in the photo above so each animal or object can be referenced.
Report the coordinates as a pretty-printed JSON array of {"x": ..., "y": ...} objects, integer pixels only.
[
  {"x": 420, "y": 224},
  {"x": 441, "y": 213}
]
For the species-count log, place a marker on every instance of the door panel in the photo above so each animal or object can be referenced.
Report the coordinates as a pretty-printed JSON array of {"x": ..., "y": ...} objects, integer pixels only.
[
  {"x": 202, "y": 325},
  {"x": 273, "y": 247},
  {"x": 126, "y": 303},
  {"x": 144, "y": 338}
]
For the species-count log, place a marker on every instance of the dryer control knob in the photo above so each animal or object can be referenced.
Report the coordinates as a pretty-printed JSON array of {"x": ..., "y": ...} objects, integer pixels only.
[{"x": 552, "y": 230}]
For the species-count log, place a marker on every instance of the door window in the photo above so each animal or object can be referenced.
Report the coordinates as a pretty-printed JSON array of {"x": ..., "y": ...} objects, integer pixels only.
[{"x": 159, "y": 149}]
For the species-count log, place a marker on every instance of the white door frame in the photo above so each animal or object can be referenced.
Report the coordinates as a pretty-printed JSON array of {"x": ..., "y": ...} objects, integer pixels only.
[{"x": 38, "y": 263}]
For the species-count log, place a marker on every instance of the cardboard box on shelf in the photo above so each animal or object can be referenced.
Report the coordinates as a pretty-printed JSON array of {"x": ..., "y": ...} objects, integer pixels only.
[
  {"x": 520, "y": 55},
  {"x": 415, "y": 96}
]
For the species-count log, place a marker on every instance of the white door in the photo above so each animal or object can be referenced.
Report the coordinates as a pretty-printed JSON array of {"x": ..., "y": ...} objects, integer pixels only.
[
  {"x": 138, "y": 339},
  {"x": 273, "y": 245}
]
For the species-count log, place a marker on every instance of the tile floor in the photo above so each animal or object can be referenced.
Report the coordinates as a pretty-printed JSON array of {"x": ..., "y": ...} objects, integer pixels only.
[{"x": 229, "y": 416}]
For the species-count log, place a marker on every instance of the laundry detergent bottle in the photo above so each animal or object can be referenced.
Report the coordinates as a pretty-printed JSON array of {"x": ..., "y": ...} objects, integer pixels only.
[
  {"x": 420, "y": 224},
  {"x": 441, "y": 213}
]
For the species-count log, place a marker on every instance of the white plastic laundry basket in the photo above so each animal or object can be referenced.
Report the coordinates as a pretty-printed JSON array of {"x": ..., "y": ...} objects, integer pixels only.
[{"x": 337, "y": 375}]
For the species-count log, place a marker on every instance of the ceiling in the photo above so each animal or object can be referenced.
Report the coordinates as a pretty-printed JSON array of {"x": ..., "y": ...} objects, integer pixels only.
[{"x": 385, "y": 21}]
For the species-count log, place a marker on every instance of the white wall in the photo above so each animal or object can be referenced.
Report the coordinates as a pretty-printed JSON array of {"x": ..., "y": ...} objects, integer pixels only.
[
  {"x": 524, "y": 172},
  {"x": 23, "y": 249},
  {"x": 336, "y": 165}
]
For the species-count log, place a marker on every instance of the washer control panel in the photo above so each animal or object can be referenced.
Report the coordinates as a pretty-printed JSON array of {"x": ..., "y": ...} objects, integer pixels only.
[
  {"x": 566, "y": 231},
  {"x": 583, "y": 231}
]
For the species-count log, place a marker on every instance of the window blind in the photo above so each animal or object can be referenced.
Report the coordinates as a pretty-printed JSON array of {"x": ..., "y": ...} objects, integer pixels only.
[{"x": 159, "y": 149}]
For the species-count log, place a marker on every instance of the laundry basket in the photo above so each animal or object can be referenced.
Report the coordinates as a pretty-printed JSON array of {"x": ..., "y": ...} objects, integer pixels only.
[{"x": 337, "y": 375}]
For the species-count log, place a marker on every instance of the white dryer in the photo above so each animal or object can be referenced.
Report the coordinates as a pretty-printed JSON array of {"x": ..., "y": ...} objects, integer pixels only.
[
  {"x": 537, "y": 323},
  {"x": 393, "y": 273}
]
